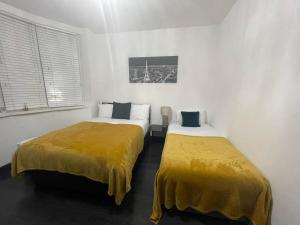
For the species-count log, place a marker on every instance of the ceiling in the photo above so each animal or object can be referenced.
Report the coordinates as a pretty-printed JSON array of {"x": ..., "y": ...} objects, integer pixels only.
[{"x": 103, "y": 16}]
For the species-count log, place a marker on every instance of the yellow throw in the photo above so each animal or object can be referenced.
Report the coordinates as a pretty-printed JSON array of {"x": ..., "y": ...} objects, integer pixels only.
[
  {"x": 209, "y": 174},
  {"x": 99, "y": 151}
]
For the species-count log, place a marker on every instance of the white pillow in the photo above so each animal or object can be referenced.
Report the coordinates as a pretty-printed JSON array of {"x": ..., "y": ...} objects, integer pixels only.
[
  {"x": 105, "y": 110},
  {"x": 139, "y": 112},
  {"x": 202, "y": 119}
]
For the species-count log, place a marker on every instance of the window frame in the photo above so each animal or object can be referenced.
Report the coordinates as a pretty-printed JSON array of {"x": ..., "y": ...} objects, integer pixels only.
[{"x": 7, "y": 113}]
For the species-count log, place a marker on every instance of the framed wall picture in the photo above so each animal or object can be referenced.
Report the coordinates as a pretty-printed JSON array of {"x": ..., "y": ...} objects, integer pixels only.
[{"x": 162, "y": 69}]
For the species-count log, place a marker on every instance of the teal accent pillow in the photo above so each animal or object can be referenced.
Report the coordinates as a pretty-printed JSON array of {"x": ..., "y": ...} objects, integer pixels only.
[
  {"x": 190, "y": 119},
  {"x": 121, "y": 110}
]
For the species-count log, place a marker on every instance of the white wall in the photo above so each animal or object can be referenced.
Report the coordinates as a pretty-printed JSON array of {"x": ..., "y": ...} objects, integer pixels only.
[
  {"x": 110, "y": 74},
  {"x": 258, "y": 100},
  {"x": 17, "y": 128}
]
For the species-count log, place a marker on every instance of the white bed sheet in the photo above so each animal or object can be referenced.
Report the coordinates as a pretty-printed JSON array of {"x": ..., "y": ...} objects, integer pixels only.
[
  {"x": 206, "y": 130},
  {"x": 142, "y": 123}
]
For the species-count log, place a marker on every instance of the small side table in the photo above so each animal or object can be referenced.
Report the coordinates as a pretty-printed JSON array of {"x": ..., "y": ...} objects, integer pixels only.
[{"x": 158, "y": 132}]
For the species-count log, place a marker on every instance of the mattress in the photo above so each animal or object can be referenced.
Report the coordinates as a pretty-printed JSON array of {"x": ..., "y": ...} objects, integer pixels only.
[{"x": 206, "y": 130}]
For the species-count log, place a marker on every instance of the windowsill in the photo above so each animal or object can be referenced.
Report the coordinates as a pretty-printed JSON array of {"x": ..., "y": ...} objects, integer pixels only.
[{"x": 36, "y": 111}]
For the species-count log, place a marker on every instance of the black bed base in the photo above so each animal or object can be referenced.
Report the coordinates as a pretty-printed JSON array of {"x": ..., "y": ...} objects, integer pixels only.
[
  {"x": 214, "y": 214},
  {"x": 68, "y": 183}
]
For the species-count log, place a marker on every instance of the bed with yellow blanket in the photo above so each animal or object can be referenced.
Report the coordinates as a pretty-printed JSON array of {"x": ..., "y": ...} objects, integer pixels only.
[
  {"x": 102, "y": 152},
  {"x": 208, "y": 174}
]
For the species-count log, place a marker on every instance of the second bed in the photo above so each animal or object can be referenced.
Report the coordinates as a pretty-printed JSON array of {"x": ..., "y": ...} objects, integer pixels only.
[{"x": 200, "y": 169}]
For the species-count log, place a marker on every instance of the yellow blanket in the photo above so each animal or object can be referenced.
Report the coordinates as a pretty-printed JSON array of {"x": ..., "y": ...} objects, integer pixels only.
[
  {"x": 208, "y": 174},
  {"x": 99, "y": 151}
]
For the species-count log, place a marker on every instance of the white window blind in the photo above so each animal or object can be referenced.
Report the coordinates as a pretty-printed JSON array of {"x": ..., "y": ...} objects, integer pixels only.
[
  {"x": 21, "y": 77},
  {"x": 59, "y": 53},
  {"x": 2, "y": 105}
]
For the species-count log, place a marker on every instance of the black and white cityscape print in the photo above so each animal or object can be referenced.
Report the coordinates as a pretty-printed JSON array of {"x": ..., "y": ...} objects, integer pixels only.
[{"x": 161, "y": 69}]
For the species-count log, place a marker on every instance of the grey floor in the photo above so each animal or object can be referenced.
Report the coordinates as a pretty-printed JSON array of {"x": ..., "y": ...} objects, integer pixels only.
[{"x": 21, "y": 202}]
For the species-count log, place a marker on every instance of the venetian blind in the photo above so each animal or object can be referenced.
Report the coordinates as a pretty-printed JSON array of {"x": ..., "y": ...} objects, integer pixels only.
[
  {"x": 59, "y": 53},
  {"x": 2, "y": 105},
  {"x": 21, "y": 77}
]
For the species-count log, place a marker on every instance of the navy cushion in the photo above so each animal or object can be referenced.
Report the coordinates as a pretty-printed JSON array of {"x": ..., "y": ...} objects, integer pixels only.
[
  {"x": 190, "y": 119},
  {"x": 121, "y": 110}
]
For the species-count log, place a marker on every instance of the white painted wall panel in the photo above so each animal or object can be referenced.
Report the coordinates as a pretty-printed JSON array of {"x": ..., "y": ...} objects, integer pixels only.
[{"x": 258, "y": 88}]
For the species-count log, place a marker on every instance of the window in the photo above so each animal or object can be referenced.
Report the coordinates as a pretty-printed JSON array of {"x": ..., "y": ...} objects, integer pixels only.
[
  {"x": 59, "y": 55},
  {"x": 39, "y": 67},
  {"x": 20, "y": 70}
]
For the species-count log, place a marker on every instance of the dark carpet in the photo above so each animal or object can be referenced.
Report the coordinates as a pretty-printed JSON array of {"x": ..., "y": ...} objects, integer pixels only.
[{"x": 24, "y": 203}]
